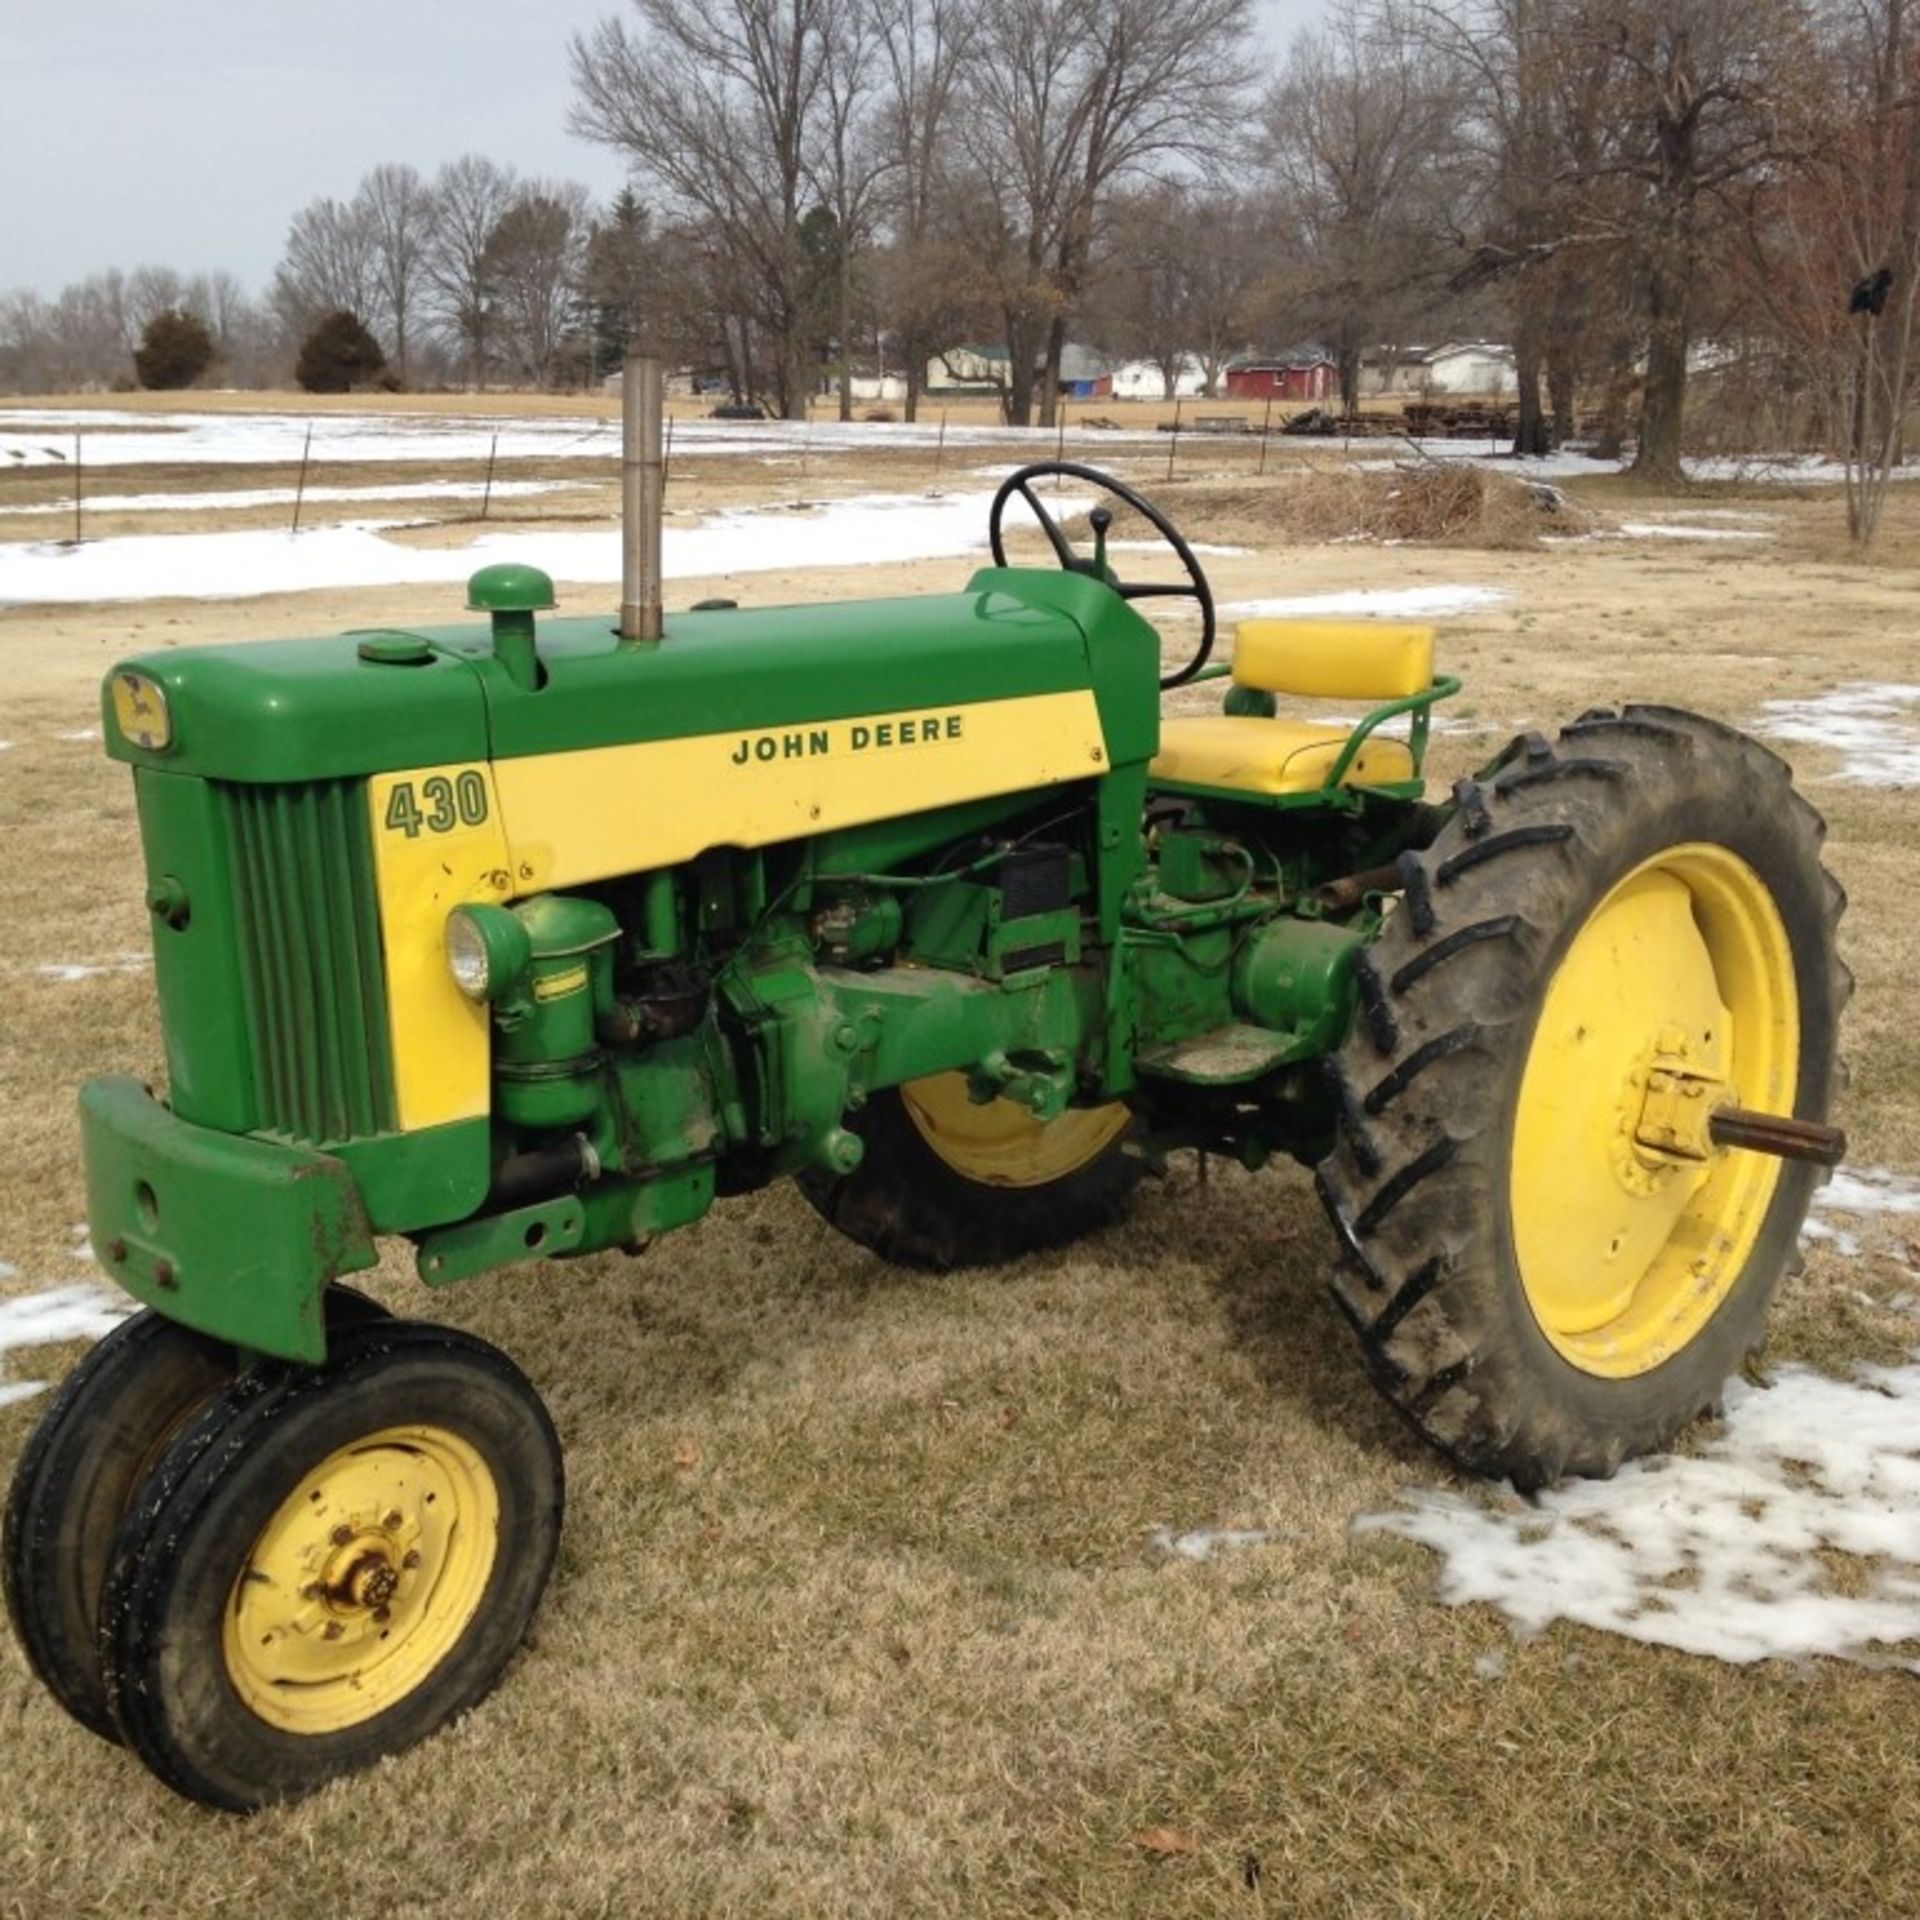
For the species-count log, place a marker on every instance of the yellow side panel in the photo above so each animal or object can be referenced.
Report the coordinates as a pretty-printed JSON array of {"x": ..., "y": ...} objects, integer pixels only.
[
  {"x": 445, "y": 836},
  {"x": 1334, "y": 659},
  {"x": 1252, "y": 755},
  {"x": 456, "y": 852},
  {"x": 572, "y": 818}
]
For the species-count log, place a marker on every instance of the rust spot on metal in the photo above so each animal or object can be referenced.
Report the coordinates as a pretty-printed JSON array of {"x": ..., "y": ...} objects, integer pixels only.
[{"x": 164, "y": 1275}]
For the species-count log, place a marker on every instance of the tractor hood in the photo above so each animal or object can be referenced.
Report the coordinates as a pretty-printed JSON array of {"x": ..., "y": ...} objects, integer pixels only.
[{"x": 365, "y": 703}]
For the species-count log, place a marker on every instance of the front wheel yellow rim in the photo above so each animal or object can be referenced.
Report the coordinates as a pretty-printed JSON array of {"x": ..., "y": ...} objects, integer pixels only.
[
  {"x": 1681, "y": 978},
  {"x": 1001, "y": 1144},
  {"x": 363, "y": 1580}
]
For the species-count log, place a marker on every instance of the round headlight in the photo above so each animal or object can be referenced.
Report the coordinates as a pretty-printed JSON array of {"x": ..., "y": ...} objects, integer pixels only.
[
  {"x": 488, "y": 951},
  {"x": 467, "y": 957}
]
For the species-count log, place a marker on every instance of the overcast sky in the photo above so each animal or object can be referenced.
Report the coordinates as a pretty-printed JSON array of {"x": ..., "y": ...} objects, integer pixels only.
[{"x": 186, "y": 132}]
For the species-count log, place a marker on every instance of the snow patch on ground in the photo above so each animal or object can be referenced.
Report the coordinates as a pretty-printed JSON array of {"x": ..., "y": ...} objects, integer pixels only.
[
  {"x": 1672, "y": 530},
  {"x": 1202, "y": 1543},
  {"x": 1716, "y": 1555},
  {"x": 70, "y": 970},
  {"x": 1380, "y": 603},
  {"x": 1858, "y": 1193},
  {"x": 1872, "y": 724},
  {"x": 243, "y": 497},
  {"x": 80, "y": 1311},
  {"x": 1160, "y": 546},
  {"x": 866, "y": 530},
  {"x": 31, "y": 437}
]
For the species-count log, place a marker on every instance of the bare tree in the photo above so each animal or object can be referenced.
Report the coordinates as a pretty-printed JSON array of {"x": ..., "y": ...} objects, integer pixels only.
[
  {"x": 925, "y": 45},
  {"x": 330, "y": 265},
  {"x": 471, "y": 196},
  {"x": 1179, "y": 279},
  {"x": 1516, "y": 77},
  {"x": 1831, "y": 257},
  {"x": 1360, "y": 135},
  {"x": 1692, "y": 113},
  {"x": 846, "y": 159},
  {"x": 533, "y": 267},
  {"x": 397, "y": 208},
  {"x": 1065, "y": 101},
  {"x": 30, "y": 350},
  {"x": 716, "y": 106}
]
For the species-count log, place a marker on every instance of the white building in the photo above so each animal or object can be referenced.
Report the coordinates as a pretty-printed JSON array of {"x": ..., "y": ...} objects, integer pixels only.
[
  {"x": 1481, "y": 367},
  {"x": 1143, "y": 380}
]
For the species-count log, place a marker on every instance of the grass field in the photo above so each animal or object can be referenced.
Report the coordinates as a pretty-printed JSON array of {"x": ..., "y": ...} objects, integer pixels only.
[{"x": 859, "y": 1608}]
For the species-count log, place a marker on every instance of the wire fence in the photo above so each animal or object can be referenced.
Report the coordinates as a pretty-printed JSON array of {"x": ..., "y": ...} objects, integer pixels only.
[{"x": 541, "y": 475}]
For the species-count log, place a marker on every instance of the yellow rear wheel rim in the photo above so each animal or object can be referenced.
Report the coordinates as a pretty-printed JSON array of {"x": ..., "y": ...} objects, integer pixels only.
[
  {"x": 1001, "y": 1144},
  {"x": 1625, "y": 1251},
  {"x": 363, "y": 1580}
]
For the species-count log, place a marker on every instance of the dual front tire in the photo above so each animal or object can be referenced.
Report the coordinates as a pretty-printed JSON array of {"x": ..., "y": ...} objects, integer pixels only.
[{"x": 263, "y": 1579}]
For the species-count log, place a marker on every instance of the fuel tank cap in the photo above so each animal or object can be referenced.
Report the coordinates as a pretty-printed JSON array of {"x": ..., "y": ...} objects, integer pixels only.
[{"x": 387, "y": 649}]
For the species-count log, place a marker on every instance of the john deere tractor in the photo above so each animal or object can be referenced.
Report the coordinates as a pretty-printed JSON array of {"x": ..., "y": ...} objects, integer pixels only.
[{"x": 526, "y": 940}]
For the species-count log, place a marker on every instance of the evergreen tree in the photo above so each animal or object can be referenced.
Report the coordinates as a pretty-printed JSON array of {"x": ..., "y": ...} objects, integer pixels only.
[
  {"x": 339, "y": 356},
  {"x": 175, "y": 350},
  {"x": 619, "y": 281}
]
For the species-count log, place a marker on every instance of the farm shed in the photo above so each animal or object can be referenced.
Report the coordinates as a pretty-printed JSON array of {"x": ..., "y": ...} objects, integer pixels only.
[{"x": 1308, "y": 375}]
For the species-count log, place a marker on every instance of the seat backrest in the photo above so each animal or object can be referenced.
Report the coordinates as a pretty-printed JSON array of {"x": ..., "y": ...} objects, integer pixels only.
[{"x": 1334, "y": 659}]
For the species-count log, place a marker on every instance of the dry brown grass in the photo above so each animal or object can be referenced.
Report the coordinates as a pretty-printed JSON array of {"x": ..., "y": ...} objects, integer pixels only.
[{"x": 856, "y": 1612}]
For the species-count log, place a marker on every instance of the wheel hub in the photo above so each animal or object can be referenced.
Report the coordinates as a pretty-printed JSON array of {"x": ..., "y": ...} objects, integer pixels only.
[
  {"x": 1630, "y": 1220},
  {"x": 369, "y": 1585},
  {"x": 363, "y": 1579}
]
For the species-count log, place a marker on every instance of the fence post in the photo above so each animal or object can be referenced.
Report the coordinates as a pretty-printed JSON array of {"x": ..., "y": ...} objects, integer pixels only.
[
  {"x": 1266, "y": 428},
  {"x": 1173, "y": 444},
  {"x": 76, "y": 486},
  {"x": 486, "y": 492},
  {"x": 300, "y": 486}
]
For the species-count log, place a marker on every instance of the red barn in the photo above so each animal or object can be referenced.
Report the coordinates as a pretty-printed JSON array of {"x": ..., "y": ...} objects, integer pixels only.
[{"x": 1312, "y": 377}]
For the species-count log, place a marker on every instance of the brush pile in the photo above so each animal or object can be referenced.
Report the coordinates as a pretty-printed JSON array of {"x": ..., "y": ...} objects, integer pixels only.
[
  {"x": 1430, "y": 502},
  {"x": 1445, "y": 504}
]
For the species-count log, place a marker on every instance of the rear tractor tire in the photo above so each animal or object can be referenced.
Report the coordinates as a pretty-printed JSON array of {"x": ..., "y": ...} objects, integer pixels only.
[
  {"x": 1551, "y": 1266},
  {"x": 949, "y": 1183}
]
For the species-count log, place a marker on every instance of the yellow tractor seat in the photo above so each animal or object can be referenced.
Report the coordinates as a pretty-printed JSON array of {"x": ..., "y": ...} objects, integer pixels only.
[
  {"x": 1253, "y": 755},
  {"x": 1372, "y": 660}
]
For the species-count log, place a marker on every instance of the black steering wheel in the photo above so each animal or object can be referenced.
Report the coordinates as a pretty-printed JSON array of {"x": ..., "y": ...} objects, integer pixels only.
[{"x": 1193, "y": 588}]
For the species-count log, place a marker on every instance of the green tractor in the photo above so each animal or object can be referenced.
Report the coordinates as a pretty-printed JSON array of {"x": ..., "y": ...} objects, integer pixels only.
[{"x": 527, "y": 940}]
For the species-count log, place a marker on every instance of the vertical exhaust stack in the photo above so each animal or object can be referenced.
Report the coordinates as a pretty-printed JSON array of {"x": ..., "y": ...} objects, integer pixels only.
[{"x": 643, "y": 475}]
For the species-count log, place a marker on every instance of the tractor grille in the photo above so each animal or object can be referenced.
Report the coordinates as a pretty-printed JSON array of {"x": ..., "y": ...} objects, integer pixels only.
[{"x": 309, "y": 933}]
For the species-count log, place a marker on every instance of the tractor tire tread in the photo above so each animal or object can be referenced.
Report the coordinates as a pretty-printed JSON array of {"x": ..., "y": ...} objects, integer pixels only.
[{"x": 1444, "y": 1021}]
